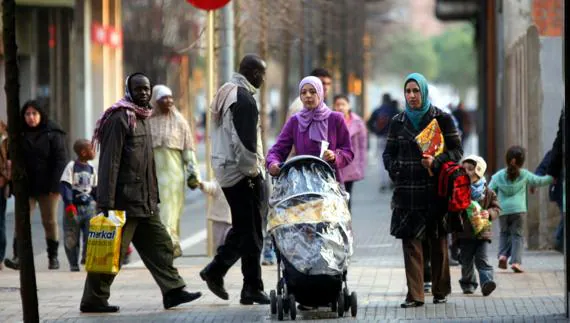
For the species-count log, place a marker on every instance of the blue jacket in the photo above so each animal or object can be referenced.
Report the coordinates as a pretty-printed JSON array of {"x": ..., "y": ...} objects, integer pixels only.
[{"x": 379, "y": 121}]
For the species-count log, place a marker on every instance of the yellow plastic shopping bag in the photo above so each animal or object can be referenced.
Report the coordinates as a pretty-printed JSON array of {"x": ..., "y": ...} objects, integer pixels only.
[{"x": 104, "y": 243}]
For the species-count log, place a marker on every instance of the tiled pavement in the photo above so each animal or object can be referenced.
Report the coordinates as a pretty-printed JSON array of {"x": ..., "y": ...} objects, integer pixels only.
[{"x": 376, "y": 274}]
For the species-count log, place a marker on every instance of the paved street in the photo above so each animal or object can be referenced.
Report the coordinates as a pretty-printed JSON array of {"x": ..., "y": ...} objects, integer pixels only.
[{"x": 376, "y": 274}]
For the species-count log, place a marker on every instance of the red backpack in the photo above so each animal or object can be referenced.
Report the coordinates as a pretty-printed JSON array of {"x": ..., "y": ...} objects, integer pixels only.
[{"x": 454, "y": 185}]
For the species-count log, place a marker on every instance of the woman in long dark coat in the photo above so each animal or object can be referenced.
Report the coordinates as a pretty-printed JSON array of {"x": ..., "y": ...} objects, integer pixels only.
[{"x": 417, "y": 214}]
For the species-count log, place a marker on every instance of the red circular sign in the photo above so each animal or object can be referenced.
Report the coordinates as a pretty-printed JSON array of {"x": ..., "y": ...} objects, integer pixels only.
[{"x": 208, "y": 4}]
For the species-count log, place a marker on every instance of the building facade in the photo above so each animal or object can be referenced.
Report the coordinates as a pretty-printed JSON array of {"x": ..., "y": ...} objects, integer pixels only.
[
  {"x": 521, "y": 87},
  {"x": 70, "y": 60}
]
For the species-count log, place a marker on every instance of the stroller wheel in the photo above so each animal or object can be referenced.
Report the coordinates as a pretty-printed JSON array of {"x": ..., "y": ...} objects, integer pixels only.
[
  {"x": 340, "y": 305},
  {"x": 279, "y": 308},
  {"x": 286, "y": 304},
  {"x": 346, "y": 299},
  {"x": 292, "y": 308},
  {"x": 285, "y": 300},
  {"x": 353, "y": 304},
  {"x": 273, "y": 301}
]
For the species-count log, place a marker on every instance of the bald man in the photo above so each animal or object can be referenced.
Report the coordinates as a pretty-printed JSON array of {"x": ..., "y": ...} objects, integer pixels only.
[{"x": 238, "y": 162}]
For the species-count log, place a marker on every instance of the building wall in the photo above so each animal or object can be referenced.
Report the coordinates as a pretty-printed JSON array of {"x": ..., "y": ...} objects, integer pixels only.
[
  {"x": 548, "y": 17},
  {"x": 42, "y": 35},
  {"x": 97, "y": 78},
  {"x": 518, "y": 18},
  {"x": 533, "y": 95}
]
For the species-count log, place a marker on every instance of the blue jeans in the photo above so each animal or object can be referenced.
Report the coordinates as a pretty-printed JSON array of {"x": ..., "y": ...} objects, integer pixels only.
[
  {"x": 511, "y": 242},
  {"x": 76, "y": 230},
  {"x": 3, "y": 203},
  {"x": 474, "y": 252}
]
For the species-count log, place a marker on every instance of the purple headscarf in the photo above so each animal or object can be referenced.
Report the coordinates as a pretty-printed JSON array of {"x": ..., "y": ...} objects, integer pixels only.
[{"x": 315, "y": 120}]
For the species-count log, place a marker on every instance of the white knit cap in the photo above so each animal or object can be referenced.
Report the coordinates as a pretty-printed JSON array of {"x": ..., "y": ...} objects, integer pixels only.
[
  {"x": 480, "y": 164},
  {"x": 159, "y": 92}
]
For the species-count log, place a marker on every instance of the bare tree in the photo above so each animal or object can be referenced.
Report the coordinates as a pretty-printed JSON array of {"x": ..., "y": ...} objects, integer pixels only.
[
  {"x": 325, "y": 33},
  {"x": 28, "y": 288},
  {"x": 157, "y": 32}
]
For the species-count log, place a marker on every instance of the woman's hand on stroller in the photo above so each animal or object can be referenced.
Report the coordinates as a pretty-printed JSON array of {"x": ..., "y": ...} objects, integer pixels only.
[
  {"x": 329, "y": 156},
  {"x": 274, "y": 169}
]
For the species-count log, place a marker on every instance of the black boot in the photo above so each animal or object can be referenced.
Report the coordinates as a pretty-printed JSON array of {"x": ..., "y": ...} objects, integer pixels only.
[
  {"x": 52, "y": 246},
  {"x": 215, "y": 282},
  {"x": 250, "y": 295},
  {"x": 13, "y": 263},
  {"x": 178, "y": 296}
]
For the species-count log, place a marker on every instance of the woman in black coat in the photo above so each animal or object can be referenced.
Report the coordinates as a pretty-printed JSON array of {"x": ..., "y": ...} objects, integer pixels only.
[
  {"x": 43, "y": 143},
  {"x": 417, "y": 214}
]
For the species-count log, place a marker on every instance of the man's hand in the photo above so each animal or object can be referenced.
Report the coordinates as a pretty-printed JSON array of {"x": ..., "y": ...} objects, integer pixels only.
[
  {"x": 103, "y": 211},
  {"x": 427, "y": 161},
  {"x": 193, "y": 182},
  {"x": 329, "y": 156},
  {"x": 274, "y": 169}
]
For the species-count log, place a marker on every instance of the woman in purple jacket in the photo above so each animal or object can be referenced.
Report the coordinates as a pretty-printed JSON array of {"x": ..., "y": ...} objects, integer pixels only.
[
  {"x": 308, "y": 128},
  {"x": 358, "y": 138}
]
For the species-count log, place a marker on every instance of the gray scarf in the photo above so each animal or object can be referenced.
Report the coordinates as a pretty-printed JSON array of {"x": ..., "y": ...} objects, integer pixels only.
[{"x": 240, "y": 80}]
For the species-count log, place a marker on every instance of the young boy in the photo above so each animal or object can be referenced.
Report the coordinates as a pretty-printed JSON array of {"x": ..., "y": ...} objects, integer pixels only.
[
  {"x": 474, "y": 247},
  {"x": 78, "y": 190},
  {"x": 221, "y": 214}
]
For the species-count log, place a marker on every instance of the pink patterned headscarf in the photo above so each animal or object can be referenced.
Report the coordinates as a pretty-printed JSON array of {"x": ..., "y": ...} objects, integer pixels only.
[
  {"x": 316, "y": 120},
  {"x": 126, "y": 103}
]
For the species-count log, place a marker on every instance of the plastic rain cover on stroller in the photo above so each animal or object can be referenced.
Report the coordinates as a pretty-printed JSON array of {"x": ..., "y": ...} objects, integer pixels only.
[{"x": 309, "y": 217}]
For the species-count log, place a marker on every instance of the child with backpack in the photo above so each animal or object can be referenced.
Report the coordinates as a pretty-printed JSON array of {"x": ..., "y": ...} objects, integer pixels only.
[
  {"x": 474, "y": 246},
  {"x": 221, "y": 214},
  {"x": 78, "y": 189},
  {"x": 511, "y": 185}
]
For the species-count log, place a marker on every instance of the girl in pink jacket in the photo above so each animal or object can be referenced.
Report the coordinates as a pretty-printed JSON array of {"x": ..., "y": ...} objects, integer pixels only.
[{"x": 358, "y": 138}]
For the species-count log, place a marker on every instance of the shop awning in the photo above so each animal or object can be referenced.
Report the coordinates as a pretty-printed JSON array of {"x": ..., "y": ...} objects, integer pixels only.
[
  {"x": 456, "y": 9},
  {"x": 46, "y": 3}
]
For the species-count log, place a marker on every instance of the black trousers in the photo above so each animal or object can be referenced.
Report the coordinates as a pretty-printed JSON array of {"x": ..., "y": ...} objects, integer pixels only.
[
  {"x": 348, "y": 187},
  {"x": 245, "y": 238}
]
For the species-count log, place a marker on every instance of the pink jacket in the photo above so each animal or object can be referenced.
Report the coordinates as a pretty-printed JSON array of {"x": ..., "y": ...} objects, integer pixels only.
[{"x": 359, "y": 140}]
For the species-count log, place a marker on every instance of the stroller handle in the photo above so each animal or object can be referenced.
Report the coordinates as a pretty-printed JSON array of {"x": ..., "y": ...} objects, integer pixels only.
[{"x": 306, "y": 159}]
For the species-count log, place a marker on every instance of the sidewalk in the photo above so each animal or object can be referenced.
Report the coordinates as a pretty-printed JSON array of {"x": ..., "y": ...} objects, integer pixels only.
[{"x": 376, "y": 274}]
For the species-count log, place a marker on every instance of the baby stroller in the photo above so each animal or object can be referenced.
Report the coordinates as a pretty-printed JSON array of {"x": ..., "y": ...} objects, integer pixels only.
[{"x": 311, "y": 228}]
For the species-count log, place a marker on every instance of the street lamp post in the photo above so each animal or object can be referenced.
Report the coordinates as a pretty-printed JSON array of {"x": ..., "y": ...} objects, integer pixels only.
[{"x": 210, "y": 6}]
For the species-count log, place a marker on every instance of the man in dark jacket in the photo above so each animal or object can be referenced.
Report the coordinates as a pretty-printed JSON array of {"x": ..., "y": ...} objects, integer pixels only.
[
  {"x": 378, "y": 123},
  {"x": 556, "y": 170},
  {"x": 127, "y": 181},
  {"x": 555, "y": 194},
  {"x": 557, "y": 158},
  {"x": 237, "y": 159}
]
